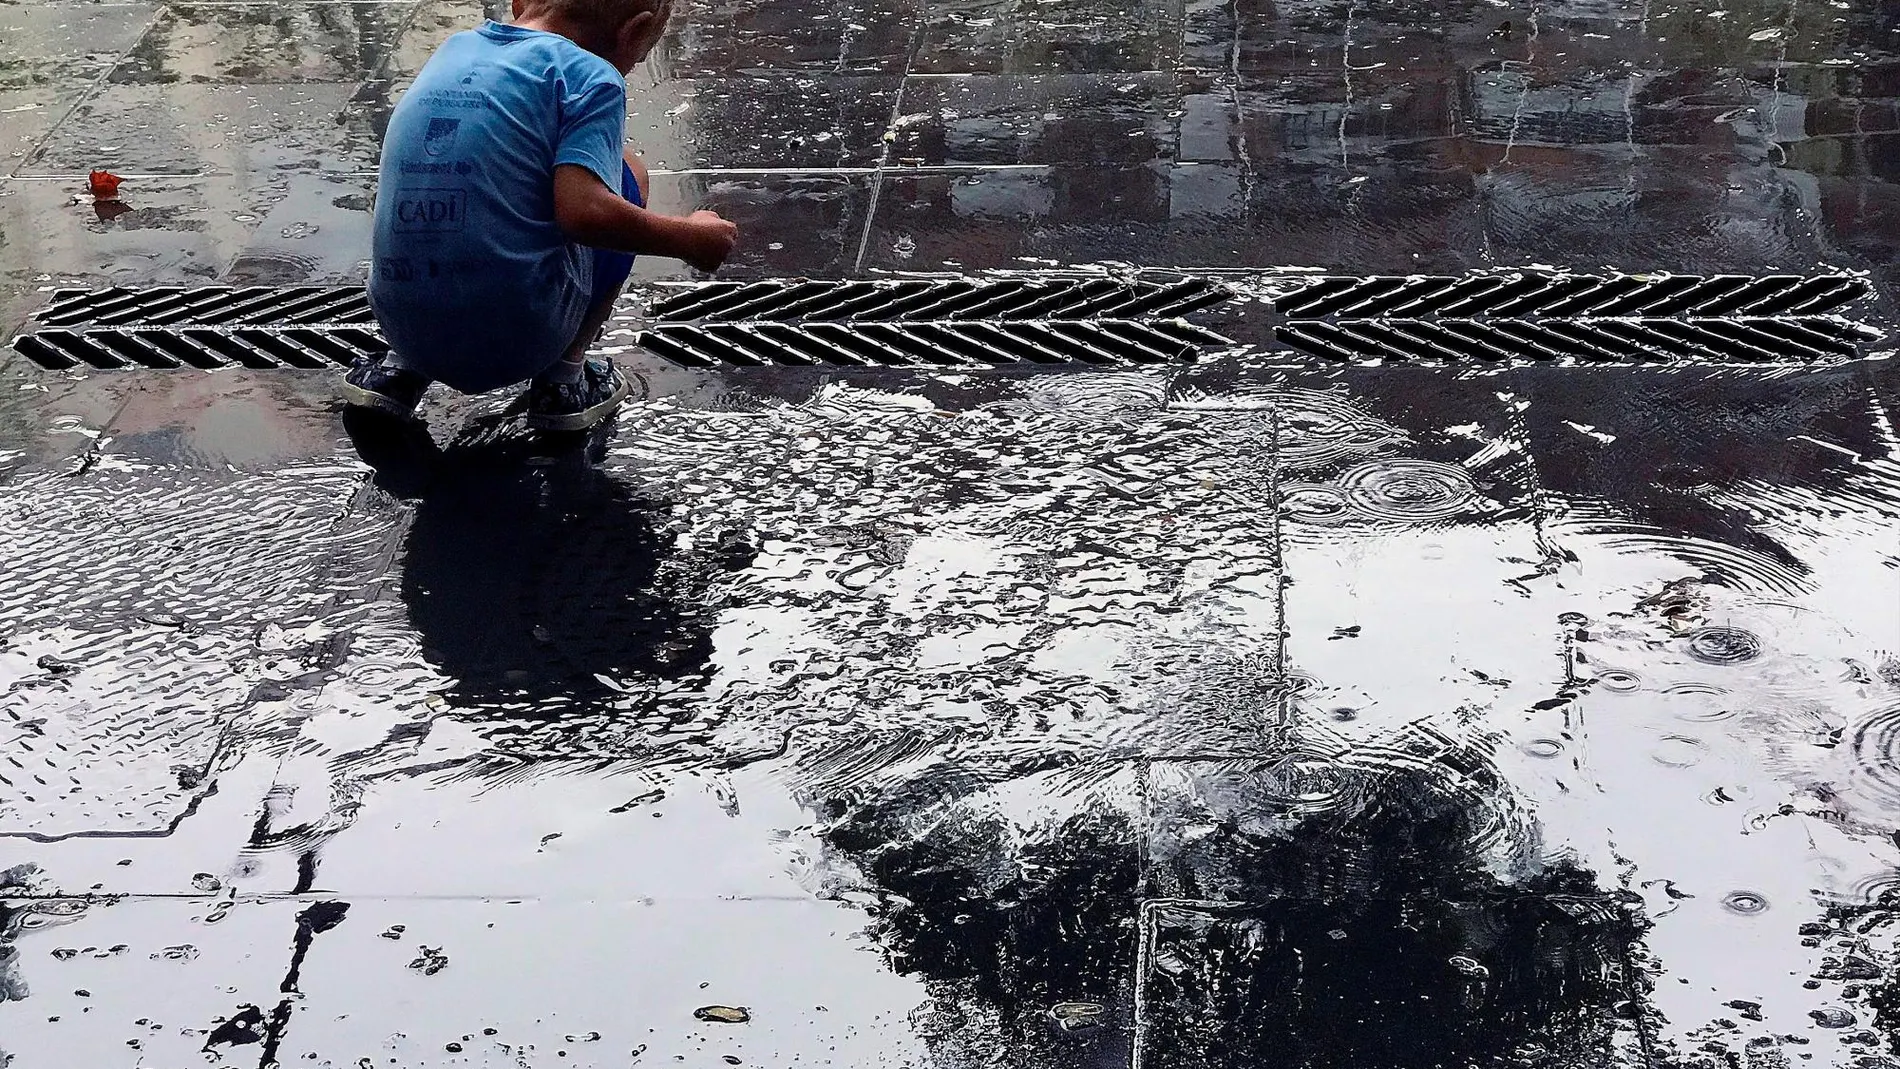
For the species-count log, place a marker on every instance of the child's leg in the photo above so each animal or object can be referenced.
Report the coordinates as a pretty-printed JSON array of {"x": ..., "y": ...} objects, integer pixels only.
[{"x": 610, "y": 277}]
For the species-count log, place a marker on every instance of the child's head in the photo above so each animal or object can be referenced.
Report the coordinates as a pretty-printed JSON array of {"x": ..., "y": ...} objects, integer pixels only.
[{"x": 621, "y": 32}]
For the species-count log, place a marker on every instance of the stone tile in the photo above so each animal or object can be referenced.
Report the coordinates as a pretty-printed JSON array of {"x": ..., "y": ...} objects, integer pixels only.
[
  {"x": 1735, "y": 522},
  {"x": 1103, "y": 120},
  {"x": 622, "y": 977},
  {"x": 134, "y": 690},
  {"x": 27, "y": 116},
  {"x": 66, "y": 44},
  {"x": 124, "y": 983},
  {"x": 1723, "y": 623},
  {"x": 250, "y": 131},
  {"x": 563, "y": 831},
  {"x": 101, "y": 763},
  {"x": 255, "y": 44},
  {"x": 1018, "y": 37},
  {"x": 1325, "y": 119},
  {"x": 1563, "y": 205},
  {"x": 781, "y": 123},
  {"x": 50, "y": 420},
  {"x": 164, "y": 230},
  {"x": 1419, "y": 613},
  {"x": 708, "y": 38},
  {"x": 318, "y": 233},
  {"x": 1225, "y": 984},
  {"x": 1180, "y": 215},
  {"x": 433, "y": 22},
  {"x": 789, "y": 224},
  {"x": 230, "y": 420},
  {"x": 980, "y": 220}
]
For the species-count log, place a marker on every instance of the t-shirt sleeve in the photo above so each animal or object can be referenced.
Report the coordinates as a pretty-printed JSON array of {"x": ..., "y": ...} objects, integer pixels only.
[{"x": 593, "y": 129}]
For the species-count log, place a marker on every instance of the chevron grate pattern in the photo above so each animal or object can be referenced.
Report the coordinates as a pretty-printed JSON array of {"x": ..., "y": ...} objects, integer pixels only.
[
  {"x": 114, "y": 348},
  {"x": 1580, "y": 340},
  {"x": 1542, "y": 296},
  {"x": 965, "y": 345},
  {"x": 208, "y": 306},
  {"x": 938, "y": 299},
  {"x": 1037, "y": 320}
]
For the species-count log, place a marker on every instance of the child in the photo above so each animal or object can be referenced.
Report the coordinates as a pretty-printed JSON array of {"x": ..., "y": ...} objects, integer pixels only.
[{"x": 507, "y": 214}]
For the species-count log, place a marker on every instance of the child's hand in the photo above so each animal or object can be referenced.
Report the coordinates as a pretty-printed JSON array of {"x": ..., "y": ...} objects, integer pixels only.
[{"x": 711, "y": 240}]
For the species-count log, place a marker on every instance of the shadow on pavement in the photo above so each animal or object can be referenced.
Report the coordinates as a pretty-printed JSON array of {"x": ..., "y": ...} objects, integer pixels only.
[{"x": 533, "y": 577}]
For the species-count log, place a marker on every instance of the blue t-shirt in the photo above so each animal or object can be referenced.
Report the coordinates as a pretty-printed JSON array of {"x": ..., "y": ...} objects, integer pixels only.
[{"x": 473, "y": 282}]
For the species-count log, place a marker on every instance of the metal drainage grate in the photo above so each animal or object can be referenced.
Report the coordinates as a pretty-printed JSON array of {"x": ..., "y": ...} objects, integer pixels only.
[
  {"x": 1572, "y": 296},
  {"x": 208, "y": 305},
  {"x": 941, "y": 299},
  {"x": 1032, "y": 320},
  {"x": 985, "y": 344},
  {"x": 200, "y": 347},
  {"x": 1581, "y": 340}
]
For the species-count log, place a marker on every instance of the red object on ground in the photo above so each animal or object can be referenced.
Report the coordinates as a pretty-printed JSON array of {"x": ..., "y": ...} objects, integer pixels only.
[{"x": 105, "y": 184}]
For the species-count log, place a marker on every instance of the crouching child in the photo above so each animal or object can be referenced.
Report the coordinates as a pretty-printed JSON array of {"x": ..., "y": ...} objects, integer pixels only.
[{"x": 508, "y": 214}]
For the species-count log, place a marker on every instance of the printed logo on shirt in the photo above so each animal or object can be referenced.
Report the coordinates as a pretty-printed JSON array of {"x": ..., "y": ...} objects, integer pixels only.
[
  {"x": 440, "y": 137},
  {"x": 431, "y": 211},
  {"x": 461, "y": 167}
]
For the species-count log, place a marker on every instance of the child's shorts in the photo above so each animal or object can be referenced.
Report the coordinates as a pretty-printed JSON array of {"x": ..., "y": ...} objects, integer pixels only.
[
  {"x": 464, "y": 355},
  {"x": 612, "y": 268}
]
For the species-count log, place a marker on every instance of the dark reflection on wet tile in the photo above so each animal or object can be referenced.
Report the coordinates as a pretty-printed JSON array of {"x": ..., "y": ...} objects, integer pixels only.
[
  {"x": 198, "y": 129},
  {"x": 786, "y": 123},
  {"x": 1673, "y": 209},
  {"x": 47, "y": 44},
  {"x": 264, "y": 43},
  {"x": 1352, "y": 904},
  {"x": 1164, "y": 215},
  {"x": 1109, "y": 120},
  {"x": 1025, "y": 37},
  {"x": 1365, "y": 904},
  {"x": 1415, "y": 980},
  {"x": 1679, "y": 453},
  {"x": 714, "y": 37},
  {"x": 789, "y": 224},
  {"x": 1026, "y": 936},
  {"x": 1327, "y": 118}
]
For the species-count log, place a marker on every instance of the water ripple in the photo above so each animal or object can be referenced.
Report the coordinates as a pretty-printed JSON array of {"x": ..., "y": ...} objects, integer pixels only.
[
  {"x": 1722, "y": 645},
  {"x": 1408, "y": 490}
]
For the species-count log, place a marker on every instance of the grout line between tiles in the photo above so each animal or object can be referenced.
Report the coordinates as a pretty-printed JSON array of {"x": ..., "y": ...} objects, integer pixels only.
[{"x": 884, "y": 155}]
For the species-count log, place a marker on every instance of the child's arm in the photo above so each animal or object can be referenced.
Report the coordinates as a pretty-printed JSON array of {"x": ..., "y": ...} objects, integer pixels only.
[{"x": 591, "y": 214}]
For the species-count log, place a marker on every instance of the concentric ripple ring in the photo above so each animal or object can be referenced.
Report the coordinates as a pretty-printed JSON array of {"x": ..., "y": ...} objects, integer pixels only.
[
  {"x": 1410, "y": 491},
  {"x": 1723, "y": 645}
]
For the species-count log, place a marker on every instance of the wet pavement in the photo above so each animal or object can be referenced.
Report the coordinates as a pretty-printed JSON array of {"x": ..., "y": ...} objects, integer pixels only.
[{"x": 1254, "y": 713}]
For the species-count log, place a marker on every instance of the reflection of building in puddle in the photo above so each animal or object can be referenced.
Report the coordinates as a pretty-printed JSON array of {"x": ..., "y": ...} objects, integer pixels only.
[{"x": 1355, "y": 903}]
